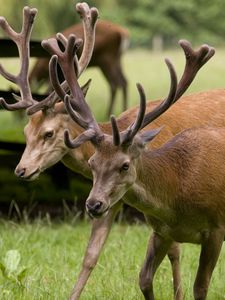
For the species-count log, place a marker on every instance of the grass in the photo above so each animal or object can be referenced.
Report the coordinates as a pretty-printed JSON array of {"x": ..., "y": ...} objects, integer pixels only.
[{"x": 51, "y": 256}]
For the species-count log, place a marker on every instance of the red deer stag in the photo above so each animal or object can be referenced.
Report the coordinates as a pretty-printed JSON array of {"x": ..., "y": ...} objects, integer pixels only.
[
  {"x": 110, "y": 42},
  {"x": 47, "y": 120},
  {"x": 179, "y": 186}
]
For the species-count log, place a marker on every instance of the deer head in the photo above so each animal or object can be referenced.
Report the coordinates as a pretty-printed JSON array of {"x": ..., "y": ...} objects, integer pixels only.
[
  {"x": 115, "y": 159},
  {"x": 48, "y": 118},
  {"x": 114, "y": 163}
]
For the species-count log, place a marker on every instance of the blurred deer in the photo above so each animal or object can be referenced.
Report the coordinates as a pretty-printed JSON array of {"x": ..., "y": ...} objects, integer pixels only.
[
  {"x": 45, "y": 130},
  {"x": 180, "y": 187},
  {"x": 111, "y": 40}
]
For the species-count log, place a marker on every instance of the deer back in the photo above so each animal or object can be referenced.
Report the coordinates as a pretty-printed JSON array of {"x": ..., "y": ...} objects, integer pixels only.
[
  {"x": 186, "y": 174},
  {"x": 109, "y": 41}
]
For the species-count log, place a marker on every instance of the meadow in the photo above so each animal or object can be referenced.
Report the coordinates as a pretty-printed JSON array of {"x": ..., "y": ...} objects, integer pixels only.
[{"x": 41, "y": 259}]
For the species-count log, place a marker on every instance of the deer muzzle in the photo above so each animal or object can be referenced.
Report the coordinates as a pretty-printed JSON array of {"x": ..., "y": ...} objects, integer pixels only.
[
  {"x": 95, "y": 208},
  {"x": 25, "y": 174}
]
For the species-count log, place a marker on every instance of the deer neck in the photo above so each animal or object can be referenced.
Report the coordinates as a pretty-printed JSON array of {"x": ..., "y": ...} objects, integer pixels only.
[{"x": 157, "y": 184}]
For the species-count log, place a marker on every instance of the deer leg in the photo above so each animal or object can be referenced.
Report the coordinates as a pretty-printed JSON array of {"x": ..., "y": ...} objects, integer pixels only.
[
  {"x": 109, "y": 70},
  {"x": 210, "y": 251},
  {"x": 123, "y": 84},
  {"x": 120, "y": 82},
  {"x": 124, "y": 89},
  {"x": 113, "y": 90},
  {"x": 157, "y": 249},
  {"x": 174, "y": 257},
  {"x": 100, "y": 230}
]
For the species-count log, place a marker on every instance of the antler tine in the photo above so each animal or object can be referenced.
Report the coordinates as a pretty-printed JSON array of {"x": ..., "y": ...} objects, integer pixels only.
[
  {"x": 194, "y": 61},
  {"x": 54, "y": 79},
  {"x": 115, "y": 131},
  {"x": 89, "y": 17},
  {"x": 167, "y": 102},
  {"x": 133, "y": 129},
  {"x": 92, "y": 132},
  {"x": 73, "y": 114},
  {"x": 61, "y": 37},
  {"x": 82, "y": 138},
  {"x": 22, "y": 40}
]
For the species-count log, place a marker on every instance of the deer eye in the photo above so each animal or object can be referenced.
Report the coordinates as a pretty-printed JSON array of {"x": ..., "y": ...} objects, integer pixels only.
[
  {"x": 48, "y": 134},
  {"x": 125, "y": 167}
]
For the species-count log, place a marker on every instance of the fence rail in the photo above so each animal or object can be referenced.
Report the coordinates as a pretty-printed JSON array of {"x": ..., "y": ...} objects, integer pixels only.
[{"x": 9, "y": 49}]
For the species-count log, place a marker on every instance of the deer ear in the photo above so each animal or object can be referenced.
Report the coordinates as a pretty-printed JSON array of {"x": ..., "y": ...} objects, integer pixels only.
[
  {"x": 85, "y": 87},
  {"x": 149, "y": 135}
]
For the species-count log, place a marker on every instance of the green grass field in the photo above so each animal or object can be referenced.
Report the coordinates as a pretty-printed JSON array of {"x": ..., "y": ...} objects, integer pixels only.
[{"x": 47, "y": 256}]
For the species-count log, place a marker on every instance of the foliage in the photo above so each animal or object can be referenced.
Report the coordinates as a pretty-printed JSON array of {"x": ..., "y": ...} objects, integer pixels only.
[
  {"x": 53, "y": 16},
  {"x": 197, "y": 20},
  {"x": 11, "y": 269}
]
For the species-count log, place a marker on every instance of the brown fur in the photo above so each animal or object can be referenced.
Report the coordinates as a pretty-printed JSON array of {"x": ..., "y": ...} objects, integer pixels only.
[{"x": 178, "y": 186}]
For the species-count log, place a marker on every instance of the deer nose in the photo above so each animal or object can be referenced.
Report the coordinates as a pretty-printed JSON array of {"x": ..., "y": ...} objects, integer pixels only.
[
  {"x": 93, "y": 206},
  {"x": 20, "y": 172}
]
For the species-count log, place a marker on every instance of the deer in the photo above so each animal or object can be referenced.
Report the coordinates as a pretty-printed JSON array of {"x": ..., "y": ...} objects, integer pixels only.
[
  {"x": 111, "y": 41},
  {"x": 47, "y": 119},
  {"x": 179, "y": 186}
]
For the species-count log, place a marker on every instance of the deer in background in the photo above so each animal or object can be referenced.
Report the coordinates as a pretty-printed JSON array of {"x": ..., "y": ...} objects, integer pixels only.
[
  {"x": 111, "y": 40},
  {"x": 180, "y": 187},
  {"x": 47, "y": 120}
]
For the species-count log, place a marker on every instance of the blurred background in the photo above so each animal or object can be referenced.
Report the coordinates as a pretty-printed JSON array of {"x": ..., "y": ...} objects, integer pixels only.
[
  {"x": 155, "y": 27},
  {"x": 147, "y": 20}
]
